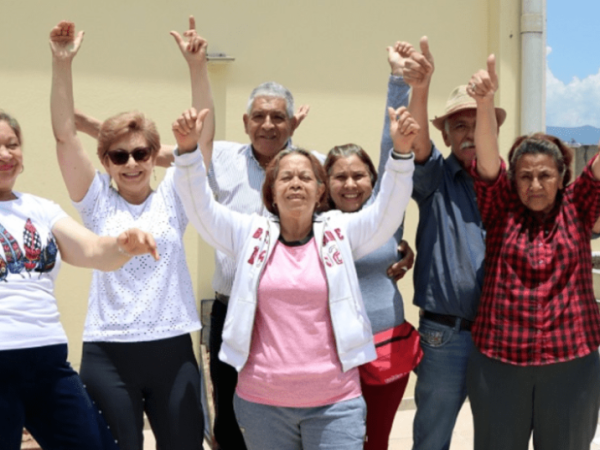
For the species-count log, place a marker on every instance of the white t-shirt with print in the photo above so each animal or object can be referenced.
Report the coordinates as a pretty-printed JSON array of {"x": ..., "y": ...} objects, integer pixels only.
[
  {"x": 29, "y": 263},
  {"x": 145, "y": 300}
]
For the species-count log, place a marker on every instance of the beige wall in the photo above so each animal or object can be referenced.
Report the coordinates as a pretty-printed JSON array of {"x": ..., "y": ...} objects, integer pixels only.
[{"x": 330, "y": 53}]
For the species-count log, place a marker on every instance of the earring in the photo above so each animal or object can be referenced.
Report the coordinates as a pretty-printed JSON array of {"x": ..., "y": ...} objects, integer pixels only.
[
  {"x": 154, "y": 173},
  {"x": 22, "y": 169}
]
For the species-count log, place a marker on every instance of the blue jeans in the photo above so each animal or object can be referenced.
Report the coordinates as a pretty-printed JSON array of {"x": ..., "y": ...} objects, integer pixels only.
[
  {"x": 441, "y": 383},
  {"x": 339, "y": 426},
  {"x": 40, "y": 390}
]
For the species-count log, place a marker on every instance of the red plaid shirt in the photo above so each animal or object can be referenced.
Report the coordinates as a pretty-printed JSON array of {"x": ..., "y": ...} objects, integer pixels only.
[{"x": 537, "y": 306}]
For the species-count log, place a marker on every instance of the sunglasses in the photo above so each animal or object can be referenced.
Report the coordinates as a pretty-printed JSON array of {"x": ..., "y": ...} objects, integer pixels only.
[{"x": 119, "y": 156}]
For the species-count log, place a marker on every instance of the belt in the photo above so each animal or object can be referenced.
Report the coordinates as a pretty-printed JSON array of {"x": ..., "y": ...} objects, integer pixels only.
[
  {"x": 222, "y": 298},
  {"x": 446, "y": 319}
]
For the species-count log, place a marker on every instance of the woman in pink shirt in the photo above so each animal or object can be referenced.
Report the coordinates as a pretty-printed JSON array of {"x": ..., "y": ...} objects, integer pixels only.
[{"x": 296, "y": 327}]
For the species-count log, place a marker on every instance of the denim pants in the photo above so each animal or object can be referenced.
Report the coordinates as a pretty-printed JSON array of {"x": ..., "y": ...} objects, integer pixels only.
[
  {"x": 441, "y": 383},
  {"x": 40, "y": 390}
]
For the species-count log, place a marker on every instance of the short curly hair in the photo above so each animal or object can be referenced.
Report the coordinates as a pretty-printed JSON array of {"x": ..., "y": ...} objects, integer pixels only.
[
  {"x": 272, "y": 171},
  {"x": 123, "y": 124}
]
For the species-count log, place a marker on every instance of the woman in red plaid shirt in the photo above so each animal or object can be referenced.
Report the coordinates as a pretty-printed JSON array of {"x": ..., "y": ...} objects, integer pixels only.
[{"x": 536, "y": 368}]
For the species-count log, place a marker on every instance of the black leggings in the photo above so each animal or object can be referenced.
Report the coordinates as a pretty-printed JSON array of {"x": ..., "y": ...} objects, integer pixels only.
[{"x": 159, "y": 377}]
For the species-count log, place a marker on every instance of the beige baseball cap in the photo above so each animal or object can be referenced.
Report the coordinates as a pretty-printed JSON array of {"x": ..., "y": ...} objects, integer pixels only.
[{"x": 459, "y": 100}]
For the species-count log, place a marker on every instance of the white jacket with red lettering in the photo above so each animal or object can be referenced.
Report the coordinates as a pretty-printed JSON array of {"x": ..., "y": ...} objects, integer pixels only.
[{"x": 342, "y": 238}]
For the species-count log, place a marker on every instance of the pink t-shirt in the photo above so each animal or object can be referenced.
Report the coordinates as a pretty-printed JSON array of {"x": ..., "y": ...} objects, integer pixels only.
[{"x": 293, "y": 360}]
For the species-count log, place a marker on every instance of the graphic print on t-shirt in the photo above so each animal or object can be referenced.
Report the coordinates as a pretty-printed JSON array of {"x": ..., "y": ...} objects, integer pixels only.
[
  {"x": 32, "y": 245},
  {"x": 38, "y": 258}
]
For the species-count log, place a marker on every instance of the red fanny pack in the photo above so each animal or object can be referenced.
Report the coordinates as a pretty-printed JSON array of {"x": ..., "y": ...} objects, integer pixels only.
[{"x": 398, "y": 352}]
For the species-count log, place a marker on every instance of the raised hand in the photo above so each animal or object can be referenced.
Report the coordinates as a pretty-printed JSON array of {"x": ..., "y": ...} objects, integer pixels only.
[
  {"x": 418, "y": 67},
  {"x": 484, "y": 83},
  {"x": 134, "y": 242},
  {"x": 403, "y": 129},
  {"x": 63, "y": 41},
  {"x": 301, "y": 114},
  {"x": 187, "y": 129},
  {"x": 396, "y": 59},
  {"x": 192, "y": 46}
]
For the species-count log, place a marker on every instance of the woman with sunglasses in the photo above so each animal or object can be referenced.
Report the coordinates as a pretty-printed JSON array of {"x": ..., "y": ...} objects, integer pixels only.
[
  {"x": 137, "y": 351},
  {"x": 38, "y": 387}
]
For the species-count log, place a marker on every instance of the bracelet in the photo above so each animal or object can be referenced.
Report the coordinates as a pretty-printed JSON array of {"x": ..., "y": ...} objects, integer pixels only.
[{"x": 397, "y": 155}]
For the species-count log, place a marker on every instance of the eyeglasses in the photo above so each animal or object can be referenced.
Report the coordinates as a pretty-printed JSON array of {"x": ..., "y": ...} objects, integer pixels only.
[{"x": 119, "y": 156}]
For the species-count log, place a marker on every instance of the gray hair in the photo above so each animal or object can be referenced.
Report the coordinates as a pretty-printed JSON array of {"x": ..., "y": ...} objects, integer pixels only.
[{"x": 272, "y": 89}]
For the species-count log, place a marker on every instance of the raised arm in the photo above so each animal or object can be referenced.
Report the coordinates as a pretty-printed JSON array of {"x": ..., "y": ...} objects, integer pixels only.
[
  {"x": 193, "y": 48},
  {"x": 87, "y": 124},
  {"x": 82, "y": 248},
  {"x": 372, "y": 226},
  {"x": 75, "y": 165},
  {"x": 216, "y": 223},
  {"x": 397, "y": 96},
  {"x": 482, "y": 87},
  {"x": 418, "y": 70}
]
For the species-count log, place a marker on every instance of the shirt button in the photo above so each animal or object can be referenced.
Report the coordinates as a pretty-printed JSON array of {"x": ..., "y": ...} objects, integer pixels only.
[{"x": 541, "y": 262}]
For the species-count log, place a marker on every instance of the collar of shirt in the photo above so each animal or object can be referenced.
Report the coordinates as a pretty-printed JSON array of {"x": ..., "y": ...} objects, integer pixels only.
[
  {"x": 249, "y": 153},
  {"x": 455, "y": 166}
]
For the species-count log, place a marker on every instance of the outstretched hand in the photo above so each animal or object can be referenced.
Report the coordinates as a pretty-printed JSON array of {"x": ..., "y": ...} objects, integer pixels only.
[
  {"x": 192, "y": 46},
  {"x": 418, "y": 67},
  {"x": 397, "y": 55},
  {"x": 403, "y": 129},
  {"x": 484, "y": 83},
  {"x": 187, "y": 129},
  {"x": 63, "y": 41},
  {"x": 134, "y": 242}
]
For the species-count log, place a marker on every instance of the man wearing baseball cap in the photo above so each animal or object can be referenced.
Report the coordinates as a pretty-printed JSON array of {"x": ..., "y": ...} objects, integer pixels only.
[{"x": 450, "y": 250}]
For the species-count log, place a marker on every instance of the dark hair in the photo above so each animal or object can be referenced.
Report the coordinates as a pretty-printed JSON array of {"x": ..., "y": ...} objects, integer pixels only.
[
  {"x": 346, "y": 151},
  {"x": 540, "y": 143},
  {"x": 272, "y": 171},
  {"x": 133, "y": 122},
  {"x": 12, "y": 122}
]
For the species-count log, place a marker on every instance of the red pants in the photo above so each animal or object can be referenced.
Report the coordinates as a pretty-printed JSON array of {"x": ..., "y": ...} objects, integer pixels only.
[{"x": 382, "y": 403}]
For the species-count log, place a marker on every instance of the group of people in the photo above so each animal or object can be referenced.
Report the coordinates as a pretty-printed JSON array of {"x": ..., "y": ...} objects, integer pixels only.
[{"x": 309, "y": 346}]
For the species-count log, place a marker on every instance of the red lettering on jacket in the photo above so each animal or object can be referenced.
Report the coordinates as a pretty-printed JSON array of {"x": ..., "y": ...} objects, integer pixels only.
[
  {"x": 257, "y": 234},
  {"x": 337, "y": 257},
  {"x": 253, "y": 256},
  {"x": 327, "y": 237},
  {"x": 339, "y": 234}
]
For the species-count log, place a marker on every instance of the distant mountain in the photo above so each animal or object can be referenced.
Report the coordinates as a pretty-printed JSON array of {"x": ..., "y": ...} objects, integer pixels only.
[{"x": 586, "y": 135}]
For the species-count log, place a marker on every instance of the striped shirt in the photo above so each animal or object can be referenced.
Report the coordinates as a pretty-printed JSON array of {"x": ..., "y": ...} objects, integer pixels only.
[{"x": 236, "y": 179}]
